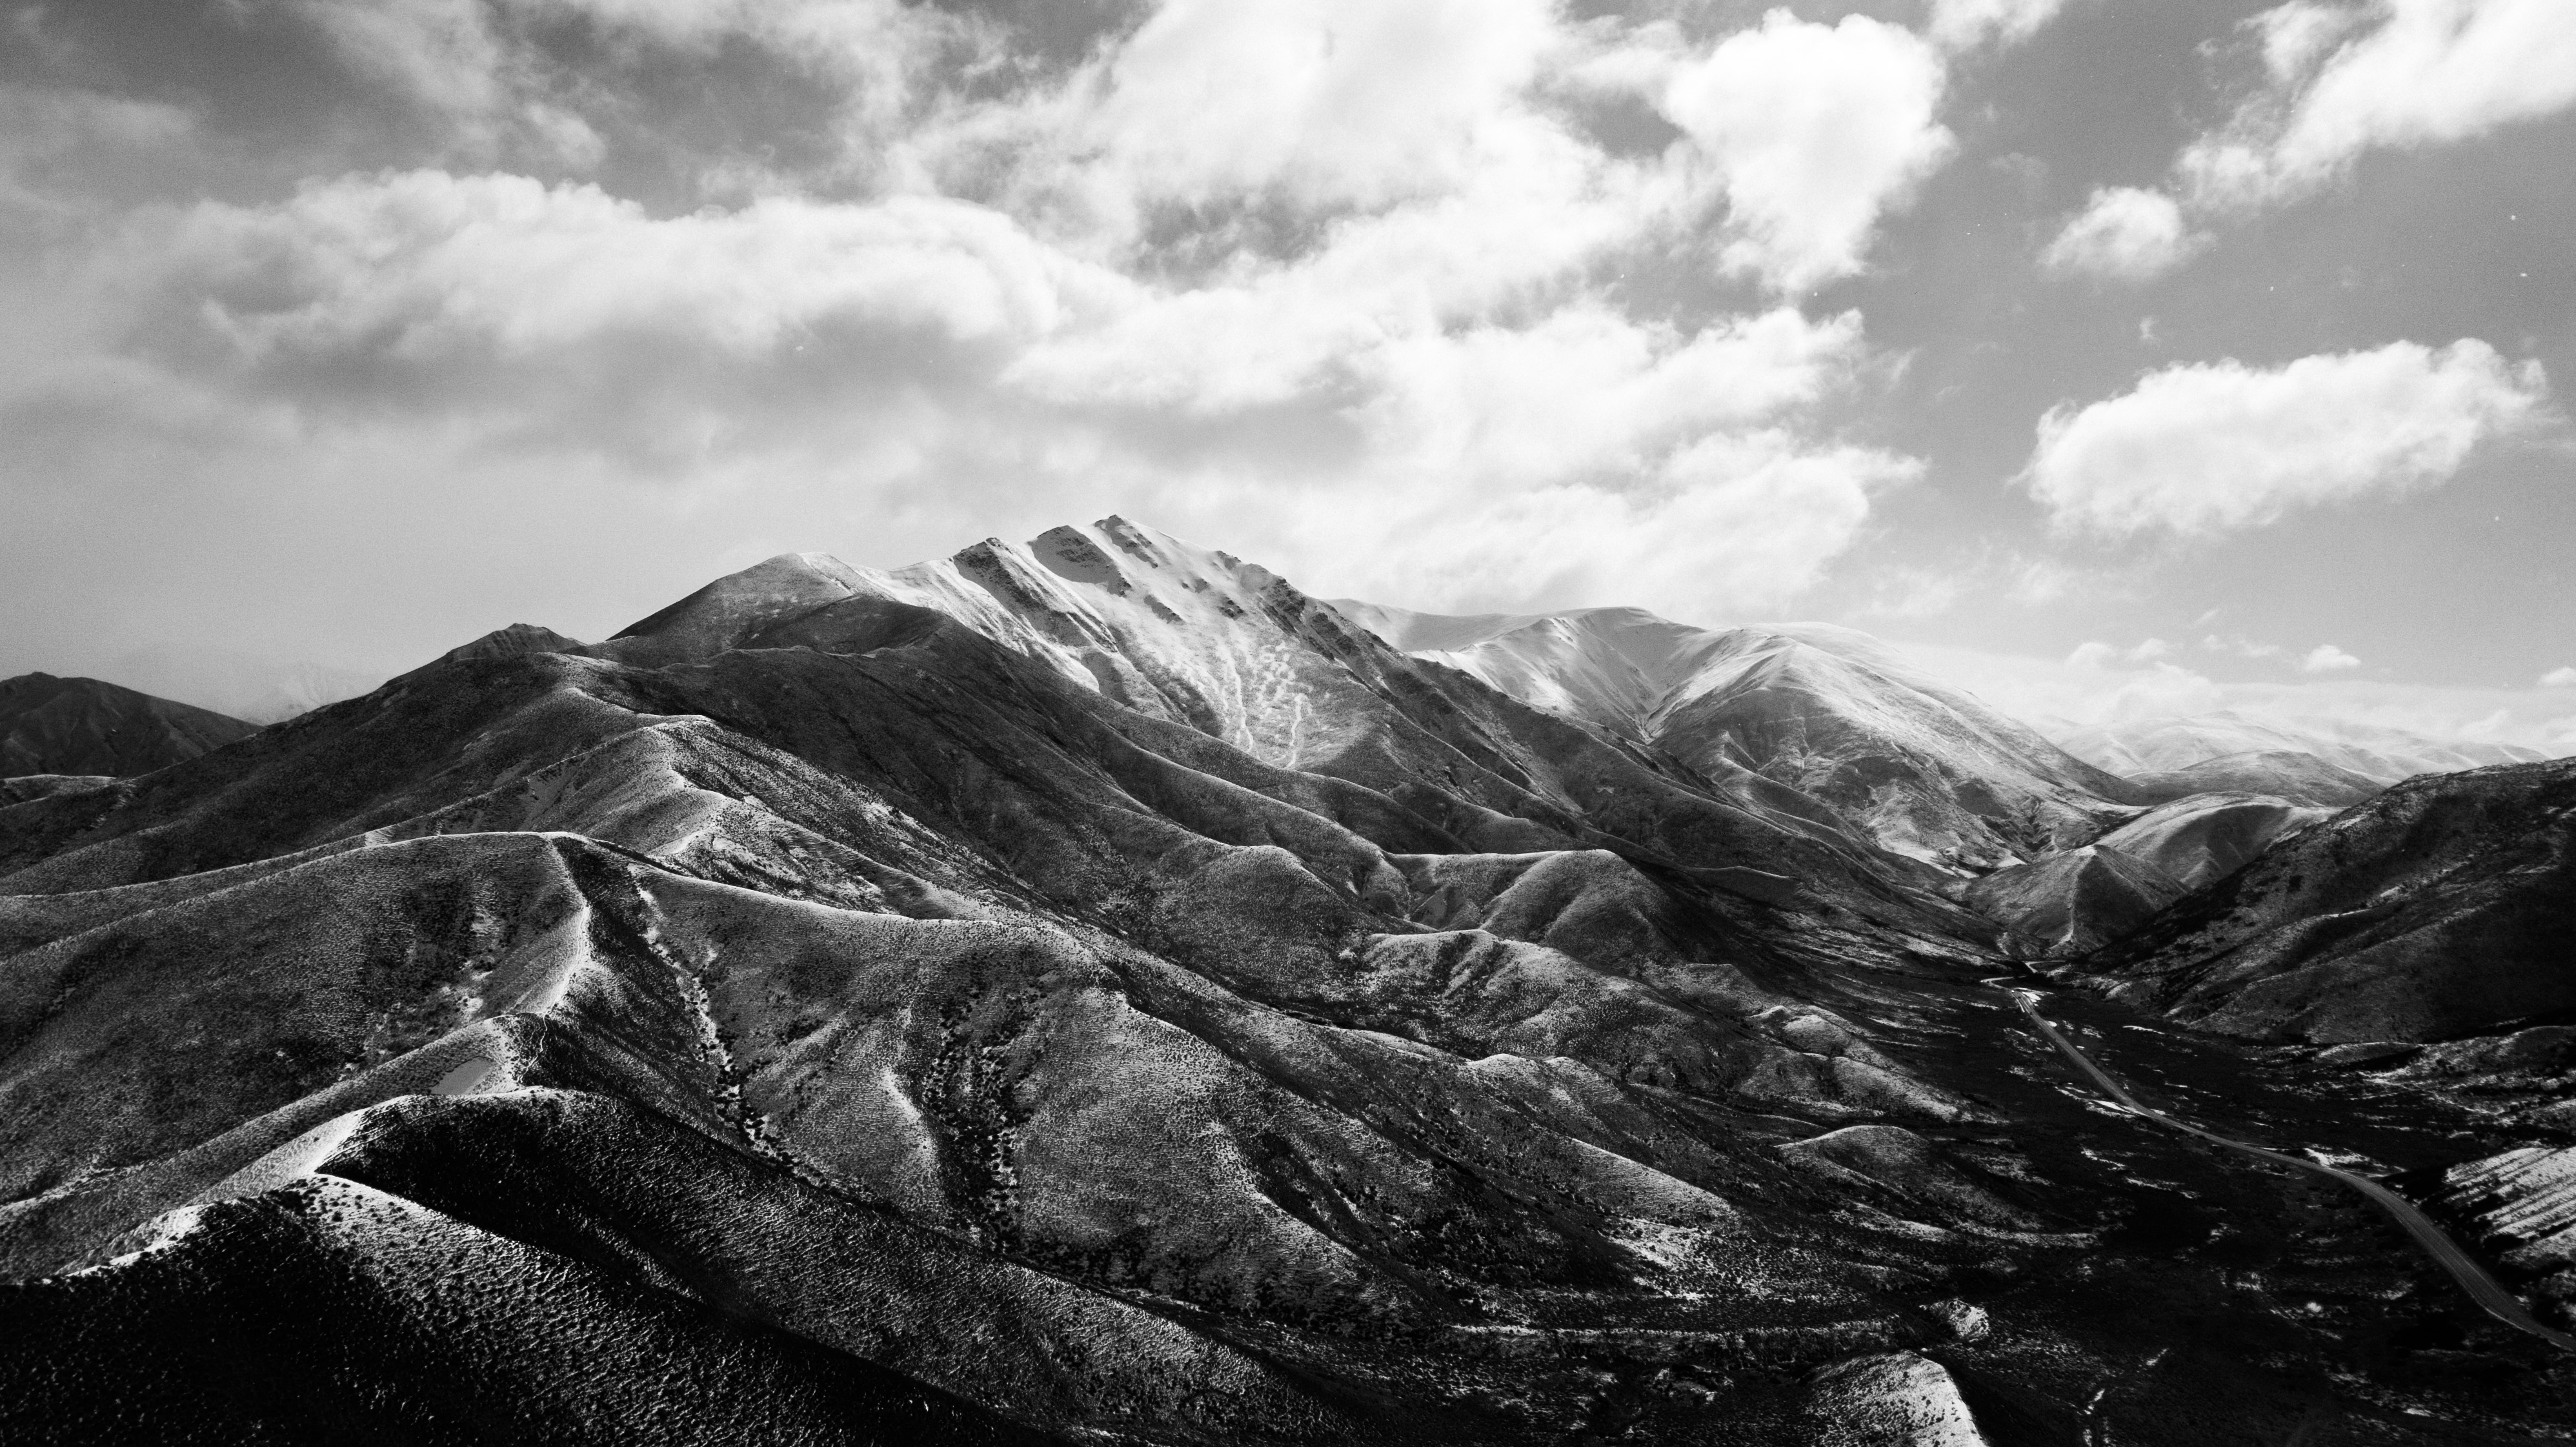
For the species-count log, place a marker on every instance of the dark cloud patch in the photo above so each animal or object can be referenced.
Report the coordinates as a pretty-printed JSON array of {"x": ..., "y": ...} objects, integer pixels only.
[
  {"x": 270, "y": 97},
  {"x": 690, "y": 124}
]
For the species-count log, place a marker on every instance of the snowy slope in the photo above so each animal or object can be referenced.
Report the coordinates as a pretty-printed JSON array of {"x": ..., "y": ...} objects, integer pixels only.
[
  {"x": 1924, "y": 769},
  {"x": 2164, "y": 745}
]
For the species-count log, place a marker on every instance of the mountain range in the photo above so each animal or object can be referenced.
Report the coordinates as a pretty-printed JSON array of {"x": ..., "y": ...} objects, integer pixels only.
[{"x": 1089, "y": 990}]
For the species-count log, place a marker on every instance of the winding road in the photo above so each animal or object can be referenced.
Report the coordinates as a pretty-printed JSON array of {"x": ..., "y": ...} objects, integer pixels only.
[{"x": 2464, "y": 1268}]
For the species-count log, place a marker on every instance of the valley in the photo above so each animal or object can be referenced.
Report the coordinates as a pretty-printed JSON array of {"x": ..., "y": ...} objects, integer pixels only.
[{"x": 1090, "y": 991}]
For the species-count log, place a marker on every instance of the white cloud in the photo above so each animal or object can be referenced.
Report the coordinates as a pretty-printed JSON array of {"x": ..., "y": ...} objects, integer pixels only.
[
  {"x": 1726, "y": 524},
  {"x": 1328, "y": 276},
  {"x": 2416, "y": 73},
  {"x": 2295, "y": 36},
  {"x": 2096, "y": 655},
  {"x": 2559, "y": 678},
  {"x": 2100, "y": 682},
  {"x": 1550, "y": 450},
  {"x": 2210, "y": 447},
  {"x": 2326, "y": 658},
  {"x": 2128, "y": 234},
  {"x": 1960, "y": 24},
  {"x": 2241, "y": 647},
  {"x": 1815, "y": 131},
  {"x": 1338, "y": 102},
  {"x": 2095, "y": 686},
  {"x": 425, "y": 266}
]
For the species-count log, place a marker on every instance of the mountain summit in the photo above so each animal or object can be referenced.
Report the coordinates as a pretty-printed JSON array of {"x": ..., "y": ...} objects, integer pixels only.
[
  {"x": 1925, "y": 770},
  {"x": 1088, "y": 990}
]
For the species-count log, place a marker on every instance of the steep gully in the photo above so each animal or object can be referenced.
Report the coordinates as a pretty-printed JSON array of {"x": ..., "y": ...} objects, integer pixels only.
[{"x": 2481, "y": 1287}]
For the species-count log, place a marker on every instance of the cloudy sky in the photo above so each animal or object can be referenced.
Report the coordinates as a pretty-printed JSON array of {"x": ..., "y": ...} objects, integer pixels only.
[{"x": 2118, "y": 355}]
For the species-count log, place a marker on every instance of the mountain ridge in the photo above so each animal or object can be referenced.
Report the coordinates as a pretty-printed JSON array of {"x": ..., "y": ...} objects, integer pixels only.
[
  {"x": 82, "y": 726},
  {"x": 1089, "y": 988}
]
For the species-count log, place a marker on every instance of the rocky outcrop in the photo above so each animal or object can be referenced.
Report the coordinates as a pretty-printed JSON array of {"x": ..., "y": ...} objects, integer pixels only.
[{"x": 1897, "y": 1400}]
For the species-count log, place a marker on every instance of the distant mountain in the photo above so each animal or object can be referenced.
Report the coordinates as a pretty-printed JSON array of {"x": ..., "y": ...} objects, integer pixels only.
[
  {"x": 2298, "y": 777},
  {"x": 1089, "y": 991},
  {"x": 1925, "y": 770},
  {"x": 2165, "y": 745},
  {"x": 52, "y": 725},
  {"x": 2072, "y": 903},
  {"x": 2444, "y": 907}
]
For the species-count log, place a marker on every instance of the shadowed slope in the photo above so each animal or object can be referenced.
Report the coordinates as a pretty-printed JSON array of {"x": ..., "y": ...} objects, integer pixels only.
[
  {"x": 1213, "y": 1028},
  {"x": 2446, "y": 906},
  {"x": 896, "y": 919},
  {"x": 52, "y": 725}
]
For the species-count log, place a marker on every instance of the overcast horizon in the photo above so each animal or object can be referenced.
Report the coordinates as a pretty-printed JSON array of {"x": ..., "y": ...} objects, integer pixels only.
[{"x": 2113, "y": 358}]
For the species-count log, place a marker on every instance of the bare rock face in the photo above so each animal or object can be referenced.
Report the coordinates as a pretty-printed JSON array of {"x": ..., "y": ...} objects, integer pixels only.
[
  {"x": 2445, "y": 907},
  {"x": 1922, "y": 770},
  {"x": 80, "y": 726}
]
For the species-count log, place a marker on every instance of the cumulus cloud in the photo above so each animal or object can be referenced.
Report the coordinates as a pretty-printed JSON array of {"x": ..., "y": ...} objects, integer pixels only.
[
  {"x": 1723, "y": 525},
  {"x": 2241, "y": 647},
  {"x": 2127, "y": 234},
  {"x": 1960, "y": 24},
  {"x": 2097, "y": 686},
  {"x": 2217, "y": 446},
  {"x": 1816, "y": 131},
  {"x": 2559, "y": 678},
  {"x": 2326, "y": 658},
  {"x": 2342, "y": 80},
  {"x": 1338, "y": 102},
  {"x": 1296, "y": 273},
  {"x": 2113, "y": 683},
  {"x": 2097, "y": 654},
  {"x": 426, "y": 266}
]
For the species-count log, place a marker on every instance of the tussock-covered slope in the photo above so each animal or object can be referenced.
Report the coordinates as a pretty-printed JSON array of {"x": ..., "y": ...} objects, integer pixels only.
[
  {"x": 1133, "y": 1056},
  {"x": 2077, "y": 901},
  {"x": 2206, "y": 837},
  {"x": 77, "y": 726},
  {"x": 964, "y": 1002},
  {"x": 1922, "y": 769},
  {"x": 2073, "y": 902},
  {"x": 2445, "y": 907}
]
